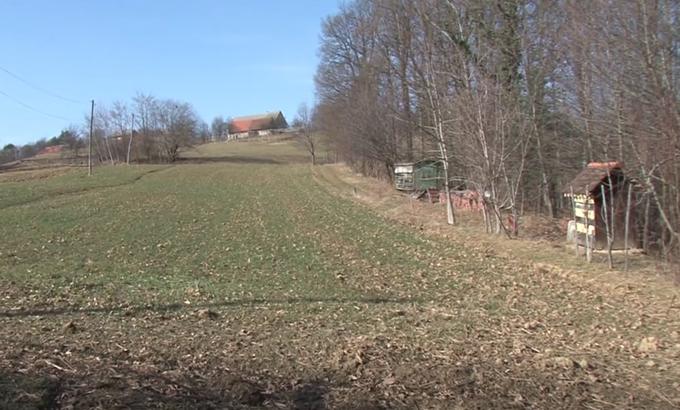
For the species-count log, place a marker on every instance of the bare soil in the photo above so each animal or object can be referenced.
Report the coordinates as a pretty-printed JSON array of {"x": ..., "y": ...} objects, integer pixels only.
[{"x": 285, "y": 286}]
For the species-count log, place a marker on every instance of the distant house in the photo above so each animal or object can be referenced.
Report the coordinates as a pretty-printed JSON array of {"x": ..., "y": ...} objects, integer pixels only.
[
  {"x": 256, "y": 125},
  {"x": 53, "y": 149}
]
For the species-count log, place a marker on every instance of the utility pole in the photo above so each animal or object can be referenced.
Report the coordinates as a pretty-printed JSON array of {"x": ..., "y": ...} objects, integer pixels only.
[{"x": 89, "y": 144}]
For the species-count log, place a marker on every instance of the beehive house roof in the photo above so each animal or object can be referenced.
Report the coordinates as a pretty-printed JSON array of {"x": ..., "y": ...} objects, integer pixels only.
[{"x": 592, "y": 176}]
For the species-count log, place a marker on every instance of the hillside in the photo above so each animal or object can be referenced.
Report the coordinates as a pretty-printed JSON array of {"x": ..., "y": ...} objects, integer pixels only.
[{"x": 241, "y": 277}]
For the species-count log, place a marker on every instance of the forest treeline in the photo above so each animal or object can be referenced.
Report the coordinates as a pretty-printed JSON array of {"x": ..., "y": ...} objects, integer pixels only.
[
  {"x": 516, "y": 95},
  {"x": 145, "y": 129}
]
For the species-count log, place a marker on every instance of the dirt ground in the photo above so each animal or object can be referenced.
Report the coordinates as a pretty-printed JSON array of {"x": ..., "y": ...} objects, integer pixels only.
[
  {"x": 316, "y": 289},
  {"x": 647, "y": 287}
]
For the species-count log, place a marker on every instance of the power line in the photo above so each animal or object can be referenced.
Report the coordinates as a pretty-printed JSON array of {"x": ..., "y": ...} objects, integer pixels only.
[
  {"x": 23, "y": 104},
  {"x": 35, "y": 87}
]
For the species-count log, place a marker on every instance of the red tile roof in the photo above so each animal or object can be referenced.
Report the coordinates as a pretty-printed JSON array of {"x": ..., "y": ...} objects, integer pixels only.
[
  {"x": 605, "y": 165},
  {"x": 53, "y": 149},
  {"x": 266, "y": 121}
]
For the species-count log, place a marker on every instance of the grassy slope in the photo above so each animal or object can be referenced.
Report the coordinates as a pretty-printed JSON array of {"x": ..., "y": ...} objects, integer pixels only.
[
  {"x": 15, "y": 188},
  {"x": 314, "y": 300}
]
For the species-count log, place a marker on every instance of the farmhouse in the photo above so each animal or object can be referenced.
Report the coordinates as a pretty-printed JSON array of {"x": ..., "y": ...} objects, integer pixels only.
[
  {"x": 256, "y": 125},
  {"x": 602, "y": 198},
  {"x": 53, "y": 149}
]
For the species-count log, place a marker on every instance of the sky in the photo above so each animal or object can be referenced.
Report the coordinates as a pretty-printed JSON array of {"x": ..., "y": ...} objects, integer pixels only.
[{"x": 227, "y": 58}]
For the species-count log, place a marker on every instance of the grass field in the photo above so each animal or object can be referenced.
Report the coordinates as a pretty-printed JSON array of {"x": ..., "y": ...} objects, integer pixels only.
[{"x": 237, "y": 279}]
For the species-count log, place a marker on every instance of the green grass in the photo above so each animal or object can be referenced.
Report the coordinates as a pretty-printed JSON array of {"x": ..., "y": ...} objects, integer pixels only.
[
  {"x": 14, "y": 193},
  {"x": 202, "y": 233},
  {"x": 280, "y": 151},
  {"x": 308, "y": 287}
]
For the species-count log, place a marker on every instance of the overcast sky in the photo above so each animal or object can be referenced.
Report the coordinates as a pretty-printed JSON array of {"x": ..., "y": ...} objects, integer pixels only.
[{"x": 227, "y": 58}]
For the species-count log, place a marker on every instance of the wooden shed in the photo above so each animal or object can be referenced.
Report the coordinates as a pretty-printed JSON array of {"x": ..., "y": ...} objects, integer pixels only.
[
  {"x": 600, "y": 197},
  {"x": 418, "y": 176}
]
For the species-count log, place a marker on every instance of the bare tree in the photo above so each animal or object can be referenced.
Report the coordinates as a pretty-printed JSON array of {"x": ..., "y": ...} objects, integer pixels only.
[
  {"x": 178, "y": 128},
  {"x": 303, "y": 121},
  {"x": 121, "y": 119},
  {"x": 219, "y": 128},
  {"x": 160, "y": 128},
  {"x": 515, "y": 95}
]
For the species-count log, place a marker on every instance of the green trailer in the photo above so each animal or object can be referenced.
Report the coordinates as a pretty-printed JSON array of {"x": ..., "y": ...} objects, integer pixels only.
[{"x": 418, "y": 176}]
